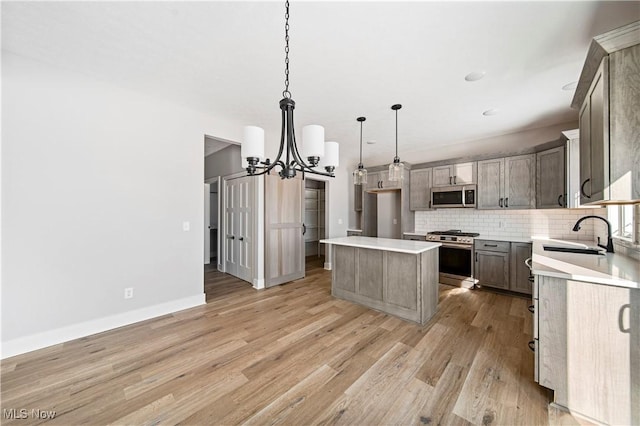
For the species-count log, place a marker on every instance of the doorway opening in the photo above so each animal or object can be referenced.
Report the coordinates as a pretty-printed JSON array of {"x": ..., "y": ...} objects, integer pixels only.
[{"x": 314, "y": 224}]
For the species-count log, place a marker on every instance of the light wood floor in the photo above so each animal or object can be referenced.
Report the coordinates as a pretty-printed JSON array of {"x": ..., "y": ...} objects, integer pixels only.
[{"x": 293, "y": 355}]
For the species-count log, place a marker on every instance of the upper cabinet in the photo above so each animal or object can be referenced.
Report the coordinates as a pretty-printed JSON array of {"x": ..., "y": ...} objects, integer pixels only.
[
  {"x": 594, "y": 141},
  {"x": 455, "y": 174},
  {"x": 373, "y": 181},
  {"x": 507, "y": 183},
  {"x": 550, "y": 179},
  {"x": 380, "y": 180},
  {"x": 608, "y": 100},
  {"x": 420, "y": 189}
]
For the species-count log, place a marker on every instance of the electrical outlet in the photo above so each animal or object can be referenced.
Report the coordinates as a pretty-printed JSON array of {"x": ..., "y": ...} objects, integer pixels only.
[{"x": 128, "y": 293}]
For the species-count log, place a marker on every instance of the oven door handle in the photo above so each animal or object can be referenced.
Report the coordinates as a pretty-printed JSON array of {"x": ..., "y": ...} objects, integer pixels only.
[{"x": 460, "y": 246}]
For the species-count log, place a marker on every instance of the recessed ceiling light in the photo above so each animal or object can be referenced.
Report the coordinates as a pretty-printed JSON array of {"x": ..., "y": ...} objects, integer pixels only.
[
  {"x": 371, "y": 142},
  {"x": 570, "y": 86},
  {"x": 492, "y": 111},
  {"x": 474, "y": 76}
]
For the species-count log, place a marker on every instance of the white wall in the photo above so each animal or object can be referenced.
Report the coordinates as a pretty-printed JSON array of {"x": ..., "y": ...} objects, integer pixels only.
[{"x": 96, "y": 184}]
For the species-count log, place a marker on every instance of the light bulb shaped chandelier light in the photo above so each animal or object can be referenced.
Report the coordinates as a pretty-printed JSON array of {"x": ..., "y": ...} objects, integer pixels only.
[
  {"x": 314, "y": 148},
  {"x": 395, "y": 168},
  {"x": 360, "y": 174}
]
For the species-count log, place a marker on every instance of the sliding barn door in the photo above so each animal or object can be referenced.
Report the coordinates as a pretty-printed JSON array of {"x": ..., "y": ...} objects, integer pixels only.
[{"x": 284, "y": 239}]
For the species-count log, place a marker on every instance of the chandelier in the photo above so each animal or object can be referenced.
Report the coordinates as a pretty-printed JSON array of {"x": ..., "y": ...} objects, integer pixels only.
[{"x": 314, "y": 147}]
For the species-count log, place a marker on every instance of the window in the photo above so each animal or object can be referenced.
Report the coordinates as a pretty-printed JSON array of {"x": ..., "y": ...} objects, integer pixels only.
[{"x": 621, "y": 218}]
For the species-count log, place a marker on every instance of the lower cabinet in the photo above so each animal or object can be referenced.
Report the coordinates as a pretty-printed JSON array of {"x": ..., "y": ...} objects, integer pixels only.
[
  {"x": 587, "y": 341},
  {"x": 501, "y": 264}
]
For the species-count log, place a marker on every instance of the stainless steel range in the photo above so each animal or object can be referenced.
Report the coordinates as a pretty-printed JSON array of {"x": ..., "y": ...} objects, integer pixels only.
[{"x": 456, "y": 256}]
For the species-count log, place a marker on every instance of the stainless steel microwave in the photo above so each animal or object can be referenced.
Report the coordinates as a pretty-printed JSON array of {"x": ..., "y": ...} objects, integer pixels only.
[{"x": 454, "y": 196}]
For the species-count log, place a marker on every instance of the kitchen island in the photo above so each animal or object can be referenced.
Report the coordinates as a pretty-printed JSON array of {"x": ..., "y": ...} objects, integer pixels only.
[{"x": 398, "y": 277}]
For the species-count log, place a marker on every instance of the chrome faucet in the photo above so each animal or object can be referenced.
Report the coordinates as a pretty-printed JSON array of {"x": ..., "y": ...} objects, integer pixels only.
[{"x": 609, "y": 245}]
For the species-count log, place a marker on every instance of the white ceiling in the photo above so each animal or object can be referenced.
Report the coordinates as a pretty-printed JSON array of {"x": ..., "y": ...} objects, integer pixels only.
[{"x": 347, "y": 59}]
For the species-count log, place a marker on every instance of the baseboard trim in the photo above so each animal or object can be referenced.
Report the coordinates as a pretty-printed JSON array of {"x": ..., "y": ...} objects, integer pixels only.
[
  {"x": 327, "y": 266},
  {"x": 36, "y": 341},
  {"x": 258, "y": 283}
]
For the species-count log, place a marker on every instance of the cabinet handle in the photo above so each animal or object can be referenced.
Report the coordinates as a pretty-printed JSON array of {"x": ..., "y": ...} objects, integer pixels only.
[
  {"x": 621, "y": 319},
  {"x": 476, "y": 256},
  {"x": 531, "y": 278},
  {"x": 231, "y": 237},
  {"x": 500, "y": 202},
  {"x": 559, "y": 200},
  {"x": 449, "y": 180},
  {"x": 532, "y": 309},
  {"x": 532, "y": 345},
  {"x": 506, "y": 202},
  {"x": 241, "y": 238},
  {"x": 491, "y": 245},
  {"x": 455, "y": 180},
  {"x": 304, "y": 229},
  {"x": 582, "y": 188}
]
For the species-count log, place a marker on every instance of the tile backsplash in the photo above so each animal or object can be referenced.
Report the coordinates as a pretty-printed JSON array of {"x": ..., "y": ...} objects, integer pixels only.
[{"x": 556, "y": 223}]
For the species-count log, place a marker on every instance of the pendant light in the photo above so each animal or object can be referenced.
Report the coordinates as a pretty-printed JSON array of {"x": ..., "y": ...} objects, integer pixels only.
[
  {"x": 396, "y": 168},
  {"x": 314, "y": 147},
  {"x": 360, "y": 174}
]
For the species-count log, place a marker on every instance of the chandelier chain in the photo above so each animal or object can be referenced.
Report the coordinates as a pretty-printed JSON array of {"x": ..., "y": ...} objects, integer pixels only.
[{"x": 286, "y": 93}]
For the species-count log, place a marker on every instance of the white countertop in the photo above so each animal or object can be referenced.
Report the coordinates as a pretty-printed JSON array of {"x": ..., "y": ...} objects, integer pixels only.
[
  {"x": 386, "y": 244},
  {"x": 609, "y": 269}
]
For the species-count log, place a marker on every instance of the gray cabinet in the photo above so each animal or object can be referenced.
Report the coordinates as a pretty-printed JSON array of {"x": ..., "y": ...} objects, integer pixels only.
[
  {"x": 455, "y": 174},
  {"x": 373, "y": 181},
  {"x": 588, "y": 347},
  {"x": 490, "y": 184},
  {"x": 551, "y": 179},
  {"x": 357, "y": 198},
  {"x": 420, "y": 189},
  {"x": 519, "y": 279},
  {"x": 607, "y": 100},
  {"x": 492, "y": 263},
  {"x": 507, "y": 183},
  {"x": 501, "y": 264},
  {"x": 594, "y": 138},
  {"x": 380, "y": 181},
  {"x": 519, "y": 182}
]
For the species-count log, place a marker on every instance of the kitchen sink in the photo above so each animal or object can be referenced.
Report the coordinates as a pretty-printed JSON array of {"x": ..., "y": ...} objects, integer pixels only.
[{"x": 583, "y": 250}]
